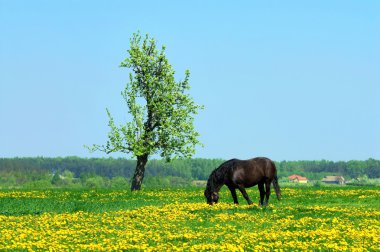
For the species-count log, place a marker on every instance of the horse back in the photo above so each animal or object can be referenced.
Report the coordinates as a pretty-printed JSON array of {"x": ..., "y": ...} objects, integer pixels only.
[{"x": 253, "y": 171}]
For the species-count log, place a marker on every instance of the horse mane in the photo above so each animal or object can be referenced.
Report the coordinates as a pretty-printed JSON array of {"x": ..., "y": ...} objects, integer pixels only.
[{"x": 216, "y": 178}]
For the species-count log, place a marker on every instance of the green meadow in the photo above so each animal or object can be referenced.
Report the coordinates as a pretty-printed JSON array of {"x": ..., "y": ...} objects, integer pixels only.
[{"x": 307, "y": 218}]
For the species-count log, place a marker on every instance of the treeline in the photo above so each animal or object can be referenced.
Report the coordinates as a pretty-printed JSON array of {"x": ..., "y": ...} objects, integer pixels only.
[
  {"x": 316, "y": 170},
  {"x": 43, "y": 172}
]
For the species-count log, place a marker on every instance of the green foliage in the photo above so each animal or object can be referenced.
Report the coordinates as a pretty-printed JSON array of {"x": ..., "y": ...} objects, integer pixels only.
[
  {"x": 166, "y": 182},
  {"x": 95, "y": 182},
  {"x": 56, "y": 180},
  {"x": 364, "y": 181},
  {"x": 119, "y": 182},
  {"x": 317, "y": 184},
  {"x": 66, "y": 179},
  {"x": 162, "y": 111},
  {"x": 37, "y": 184}
]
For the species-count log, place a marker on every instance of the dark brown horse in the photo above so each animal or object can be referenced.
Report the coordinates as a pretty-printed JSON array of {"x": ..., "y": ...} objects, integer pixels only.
[{"x": 240, "y": 174}]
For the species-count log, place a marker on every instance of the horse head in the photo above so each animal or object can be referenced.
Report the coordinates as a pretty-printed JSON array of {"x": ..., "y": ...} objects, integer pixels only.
[{"x": 211, "y": 197}]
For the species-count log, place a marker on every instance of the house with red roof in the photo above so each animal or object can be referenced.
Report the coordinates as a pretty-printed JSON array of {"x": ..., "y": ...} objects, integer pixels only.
[{"x": 298, "y": 179}]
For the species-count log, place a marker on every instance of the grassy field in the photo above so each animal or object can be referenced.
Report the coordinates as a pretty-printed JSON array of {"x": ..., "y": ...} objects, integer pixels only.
[{"x": 325, "y": 219}]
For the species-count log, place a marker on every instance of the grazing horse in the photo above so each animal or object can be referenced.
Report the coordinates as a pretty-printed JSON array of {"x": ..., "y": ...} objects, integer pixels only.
[{"x": 240, "y": 174}]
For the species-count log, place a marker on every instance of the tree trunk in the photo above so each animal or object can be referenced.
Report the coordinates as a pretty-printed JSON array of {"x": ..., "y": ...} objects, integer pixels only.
[{"x": 139, "y": 172}]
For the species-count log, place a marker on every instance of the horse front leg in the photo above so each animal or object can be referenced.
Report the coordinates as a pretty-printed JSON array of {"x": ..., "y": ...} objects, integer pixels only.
[
  {"x": 245, "y": 195},
  {"x": 234, "y": 196},
  {"x": 262, "y": 193}
]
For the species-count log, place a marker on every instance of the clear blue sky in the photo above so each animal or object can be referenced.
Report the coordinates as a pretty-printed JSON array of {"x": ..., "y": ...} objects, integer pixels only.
[{"x": 291, "y": 80}]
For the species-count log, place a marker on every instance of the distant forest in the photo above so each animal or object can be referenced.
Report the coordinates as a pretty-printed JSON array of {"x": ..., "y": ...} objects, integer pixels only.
[{"x": 111, "y": 172}]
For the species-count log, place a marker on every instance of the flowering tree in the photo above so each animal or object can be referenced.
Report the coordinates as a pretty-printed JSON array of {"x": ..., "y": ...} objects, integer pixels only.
[{"x": 162, "y": 111}]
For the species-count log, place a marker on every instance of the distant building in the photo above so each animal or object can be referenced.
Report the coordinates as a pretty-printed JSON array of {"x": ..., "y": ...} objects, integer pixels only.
[
  {"x": 333, "y": 180},
  {"x": 297, "y": 178}
]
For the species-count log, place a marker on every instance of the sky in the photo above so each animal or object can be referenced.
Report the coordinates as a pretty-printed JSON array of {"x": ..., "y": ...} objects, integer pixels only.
[{"x": 289, "y": 80}]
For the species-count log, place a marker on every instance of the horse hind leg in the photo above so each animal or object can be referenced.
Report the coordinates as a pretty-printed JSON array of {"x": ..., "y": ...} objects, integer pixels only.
[
  {"x": 262, "y": 193},
  {"x": 267, "y": 191}
]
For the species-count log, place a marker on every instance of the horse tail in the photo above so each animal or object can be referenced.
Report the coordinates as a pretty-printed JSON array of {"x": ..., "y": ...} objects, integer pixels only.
[{"x": 276, "y": 185}]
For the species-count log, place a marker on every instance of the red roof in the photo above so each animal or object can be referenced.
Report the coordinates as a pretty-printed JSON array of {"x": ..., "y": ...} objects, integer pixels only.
[{"x": 295, "y": 176}]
